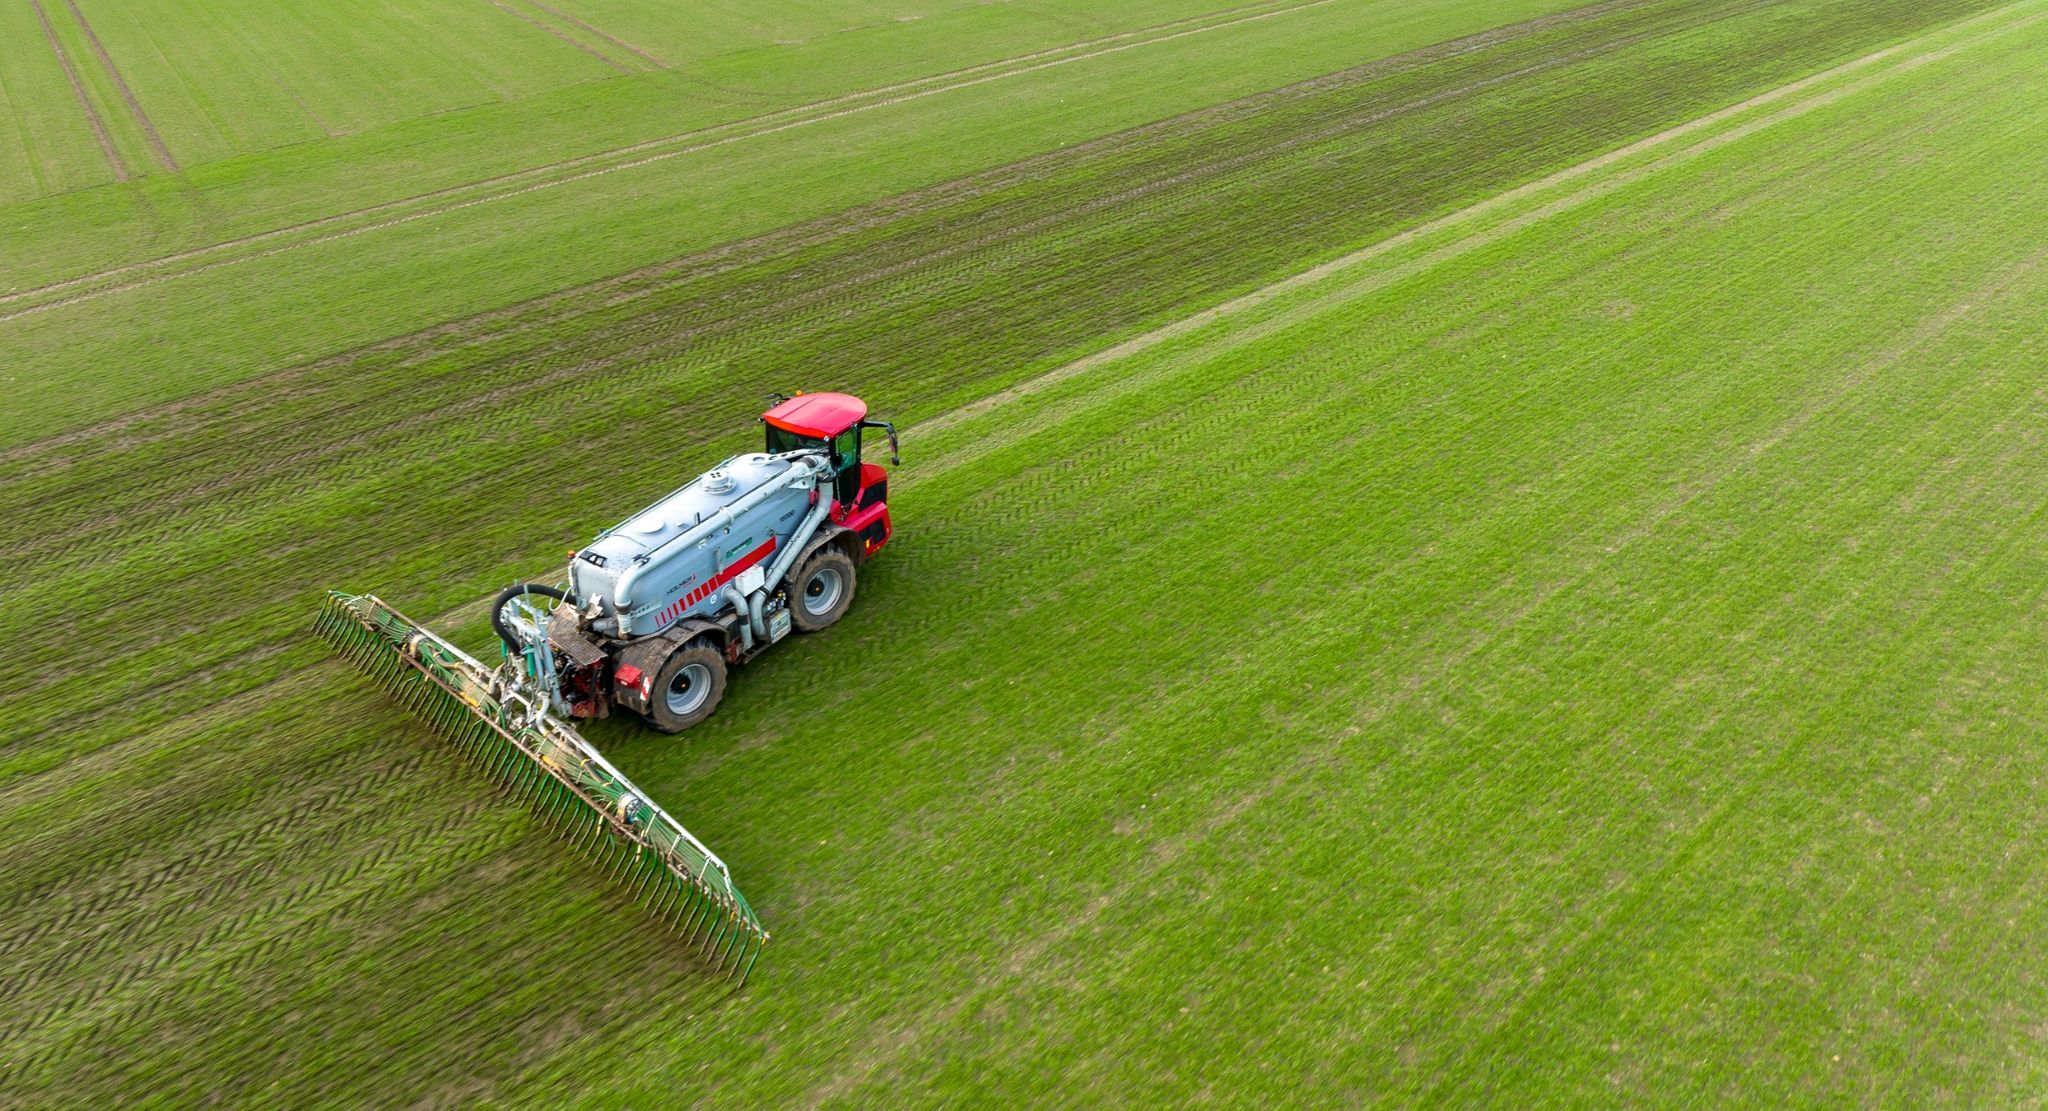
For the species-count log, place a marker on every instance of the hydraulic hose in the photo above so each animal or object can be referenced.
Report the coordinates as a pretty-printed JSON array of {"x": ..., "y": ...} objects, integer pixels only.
[{"x": 516, "y": 590}]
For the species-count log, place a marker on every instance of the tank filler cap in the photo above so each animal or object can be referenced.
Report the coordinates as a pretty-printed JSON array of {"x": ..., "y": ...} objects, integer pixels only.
[{"x": 717, "y": 482}]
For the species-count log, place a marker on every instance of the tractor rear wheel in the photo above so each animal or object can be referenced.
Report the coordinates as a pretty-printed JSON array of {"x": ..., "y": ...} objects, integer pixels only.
[
  {"x": 687, "y": 688},
  {"x": 821, "y": 589}
]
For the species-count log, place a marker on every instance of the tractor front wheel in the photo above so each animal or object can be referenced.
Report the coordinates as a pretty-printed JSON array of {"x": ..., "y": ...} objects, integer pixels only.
[
  {"x": 688, "y": 687},
  {"x": 821, "y": 590}
]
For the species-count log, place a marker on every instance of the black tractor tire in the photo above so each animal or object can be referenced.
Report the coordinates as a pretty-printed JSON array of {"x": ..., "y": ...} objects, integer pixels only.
[
  {"x": 687, "y": 688},
  {"x": 821, "y": 590}
]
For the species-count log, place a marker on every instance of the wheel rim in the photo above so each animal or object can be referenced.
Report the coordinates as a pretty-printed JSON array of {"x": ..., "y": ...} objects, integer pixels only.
[
  {"x": 688, "y": 690},
  {"x": 822, "y": 591}
]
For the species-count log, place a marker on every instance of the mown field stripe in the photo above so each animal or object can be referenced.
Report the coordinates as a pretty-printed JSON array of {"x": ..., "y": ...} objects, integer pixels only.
[
  {"x": 142, "y": 120},
  {"x": 1337, "y": 268},
  {"x": 568, "y": 171},
  {"x": 92, "y": 115},
  {"x": 896, "y": 209},
  {"x": 1615, "y": 904}
]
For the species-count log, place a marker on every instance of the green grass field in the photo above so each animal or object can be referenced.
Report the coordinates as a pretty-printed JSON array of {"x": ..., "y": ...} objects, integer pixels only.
[{"x": 1446, "y": 554}]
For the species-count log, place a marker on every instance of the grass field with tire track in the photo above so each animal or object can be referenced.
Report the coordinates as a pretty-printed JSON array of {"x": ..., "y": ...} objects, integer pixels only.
[
  {"x": 592, "y": 190},
  {"x": 1500, "y": 574}
]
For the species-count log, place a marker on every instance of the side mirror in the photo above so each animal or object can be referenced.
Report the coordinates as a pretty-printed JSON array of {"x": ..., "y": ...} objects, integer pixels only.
[{"x": 895, "y": 453}]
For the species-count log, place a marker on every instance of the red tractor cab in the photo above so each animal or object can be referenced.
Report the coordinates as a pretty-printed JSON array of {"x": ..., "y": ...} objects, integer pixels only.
[{"x": 834, "y": 422}]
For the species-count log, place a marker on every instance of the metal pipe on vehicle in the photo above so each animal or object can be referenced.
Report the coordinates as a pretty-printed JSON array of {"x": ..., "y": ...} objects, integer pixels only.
[
  {"x": 739, "y": 608},
  {"x": 797, "y": 540}
]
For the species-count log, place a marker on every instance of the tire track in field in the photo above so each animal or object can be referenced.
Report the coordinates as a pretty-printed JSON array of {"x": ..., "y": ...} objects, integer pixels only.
[
  {"x": 212, "y": 950},
  {"x": 122, "y": 913},
  {"x": 156, "y": 141},
  {"x": 1491, "y": 205},
  {"x": 1683, "y": 498},
  {"x": 1349, "y": 119},
  {"x": 557, "y": 32},
  {"x": 1031, "y": 953},
  {"x": 1616, "y": 904},
  {"x": 92, "y": 115},
  {"x": 582, "y": 300},
  {"x": 127, "y": 1018},
  {"x": 1025, "y": 954},
  {"x": 226, "y": 665},
  {"x": 599, "y": 32},
  {"x": 567, "y": 171}
]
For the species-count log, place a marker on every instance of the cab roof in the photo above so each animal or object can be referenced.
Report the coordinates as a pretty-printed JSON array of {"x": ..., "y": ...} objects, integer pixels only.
[{"x": 819, "y": 415}]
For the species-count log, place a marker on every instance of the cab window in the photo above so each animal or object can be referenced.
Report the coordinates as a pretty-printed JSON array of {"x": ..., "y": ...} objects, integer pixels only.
[
  {"x": 846, "y": 458},
  {"x": 782, "y": 439}
]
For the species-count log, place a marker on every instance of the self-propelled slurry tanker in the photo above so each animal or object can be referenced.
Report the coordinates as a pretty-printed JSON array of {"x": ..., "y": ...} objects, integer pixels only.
[
  {"x": 716, "y": 572},
  {"x": 651, "y": 616}
]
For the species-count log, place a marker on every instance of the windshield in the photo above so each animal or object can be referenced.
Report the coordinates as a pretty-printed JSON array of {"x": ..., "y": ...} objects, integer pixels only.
[{"x": 782, "y": 439}]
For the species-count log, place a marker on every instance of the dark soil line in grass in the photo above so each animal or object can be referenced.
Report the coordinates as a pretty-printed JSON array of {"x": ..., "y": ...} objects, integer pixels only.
[
  {"x": 839, "y": 286},
  {"x": 607, "y": 36},
  {"x": 225, "y": 994},
  {"x": 241, "y": 921},
  {"x": 537, "y": 314},
  {"x": 761, "y": 124},
  {"x": 557, "y": 32},
  {"x": 92, "y": 115},
  {"x": 115, "y": 892},
  {"x": 156, "y": 141}
]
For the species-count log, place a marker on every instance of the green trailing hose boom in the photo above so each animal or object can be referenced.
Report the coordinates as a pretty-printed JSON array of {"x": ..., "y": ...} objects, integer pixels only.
[{"x": 500, "y": 724}]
